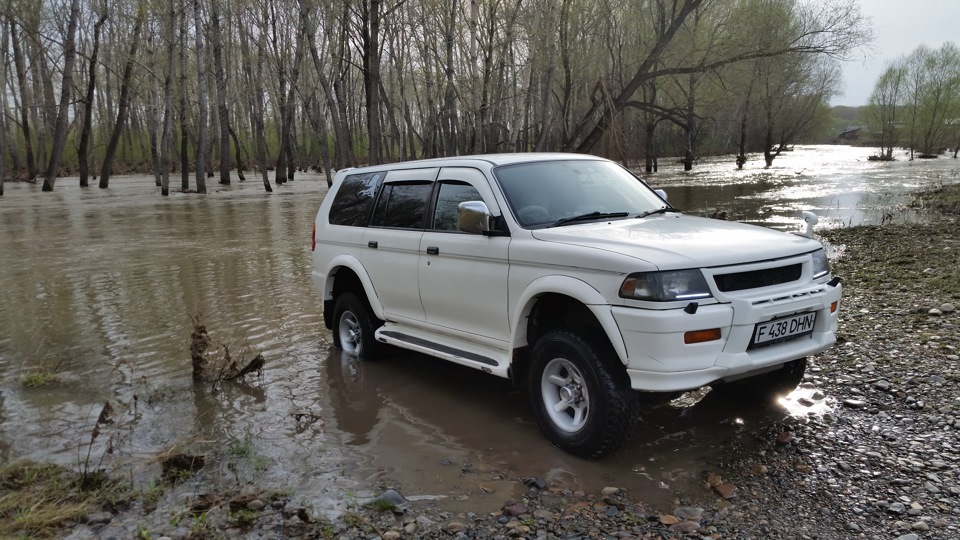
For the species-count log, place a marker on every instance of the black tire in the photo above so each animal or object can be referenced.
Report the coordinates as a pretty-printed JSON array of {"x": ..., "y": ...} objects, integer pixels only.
[
  {"x": 767, "y": 387},
  {"x": 582, "y": 372},
  {"x": 354, "y": 326}
]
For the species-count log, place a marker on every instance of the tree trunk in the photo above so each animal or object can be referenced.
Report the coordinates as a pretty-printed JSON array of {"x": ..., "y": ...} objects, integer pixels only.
[
  {"x": 167, "y": 130},
  {"x": 236, "y": 145},
  {"x": 256, "y": 101},
  {"x": 184, "y": 126},
  {"x": 25, "y": 104},
  {"x": 4, "y": 38},
  {"x": 83, "y": 152},
  {"x": 370, "y": 40},
  {"x": 201, "y": 99},
  {"x": 689, "y": 129},
  {"x": 124, "y": 102},
  {"x": 60, "y": 131},
  {"x": 223, "y": 113}
]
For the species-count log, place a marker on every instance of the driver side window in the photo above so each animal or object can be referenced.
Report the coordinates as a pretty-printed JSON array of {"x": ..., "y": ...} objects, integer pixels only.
[{"x": 449, "y": 196}]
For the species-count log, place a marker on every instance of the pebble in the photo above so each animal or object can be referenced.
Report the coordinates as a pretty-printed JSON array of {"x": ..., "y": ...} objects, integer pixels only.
[{"x": 668, "y": 519}]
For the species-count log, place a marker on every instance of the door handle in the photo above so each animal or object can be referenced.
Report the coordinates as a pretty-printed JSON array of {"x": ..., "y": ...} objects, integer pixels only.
[
  {"x": 433, "y": 250},
  {"x": 372, "y": 244}
]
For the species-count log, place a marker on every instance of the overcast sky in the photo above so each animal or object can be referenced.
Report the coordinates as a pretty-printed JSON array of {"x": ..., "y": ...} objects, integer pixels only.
[{"x": 899, "y": 26}]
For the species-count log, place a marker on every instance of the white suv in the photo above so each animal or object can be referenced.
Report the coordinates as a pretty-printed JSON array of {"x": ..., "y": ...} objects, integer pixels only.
[{"x": 569, "y": 275}]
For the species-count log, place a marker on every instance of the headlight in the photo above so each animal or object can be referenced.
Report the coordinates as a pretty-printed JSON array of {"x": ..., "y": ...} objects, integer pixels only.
[
  {"x": 665, "y": 286},
  {"x": 821, "y": 266}
]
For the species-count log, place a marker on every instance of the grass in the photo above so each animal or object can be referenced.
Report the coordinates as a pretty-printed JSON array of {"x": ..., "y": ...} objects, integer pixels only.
[
  {"x": 37, "y": 500},
  {"x": 38, "y": 377},
  {"x": 943, "y": 199}
]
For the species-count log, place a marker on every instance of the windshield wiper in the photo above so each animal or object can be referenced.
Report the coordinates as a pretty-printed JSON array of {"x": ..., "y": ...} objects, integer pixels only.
[
  {"x": 661, "y": 210},
  {"x": 591, "y": 215}
]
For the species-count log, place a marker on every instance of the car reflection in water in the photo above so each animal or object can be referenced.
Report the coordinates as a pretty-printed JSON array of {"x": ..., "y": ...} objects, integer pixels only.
[{"x": 437, "y": 430}]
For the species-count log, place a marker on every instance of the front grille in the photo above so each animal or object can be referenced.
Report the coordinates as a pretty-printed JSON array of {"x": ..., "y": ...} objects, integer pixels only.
[{"x": 740, "y": 281}]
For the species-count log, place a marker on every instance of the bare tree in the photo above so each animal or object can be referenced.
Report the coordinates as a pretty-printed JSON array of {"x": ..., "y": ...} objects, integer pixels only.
[
  {"x": 884, "y": 107},
  {"x": 25, "y": 100},
  {"x": 166, "y": 135},
  {"x": 60, "y": 131},
  {"x": 223, "y": 113},
  {"x": 201, "y": 99},
  {"x": 83, "y": 151},
  {"x": 124, "y": 100}
]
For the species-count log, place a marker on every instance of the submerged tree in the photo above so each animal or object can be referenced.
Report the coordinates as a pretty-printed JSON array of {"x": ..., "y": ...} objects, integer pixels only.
[{"x": 884, "y": 108}]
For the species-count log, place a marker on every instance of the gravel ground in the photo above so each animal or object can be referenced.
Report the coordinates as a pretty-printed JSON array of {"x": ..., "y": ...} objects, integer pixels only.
[{"x": 879, "y": 460}]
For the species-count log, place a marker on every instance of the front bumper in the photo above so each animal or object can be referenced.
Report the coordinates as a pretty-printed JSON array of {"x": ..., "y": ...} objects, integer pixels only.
[{"x": 659, "y": 361}]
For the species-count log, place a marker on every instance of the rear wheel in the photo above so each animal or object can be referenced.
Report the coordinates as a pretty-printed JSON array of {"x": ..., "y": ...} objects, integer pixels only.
[
  {"x": 581, "y": 399},
  {"x": 355, "y": 326},
  {"x": 765, "y": 387}
]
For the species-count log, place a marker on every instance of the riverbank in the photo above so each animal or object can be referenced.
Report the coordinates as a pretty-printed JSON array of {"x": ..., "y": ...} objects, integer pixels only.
[{"x": 875, "y": 456}]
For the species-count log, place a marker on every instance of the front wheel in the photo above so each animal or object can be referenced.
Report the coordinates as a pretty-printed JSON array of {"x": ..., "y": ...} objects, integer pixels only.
[
  {"x": 581, "y": 397},
  {"x": 355, "y": 326}
]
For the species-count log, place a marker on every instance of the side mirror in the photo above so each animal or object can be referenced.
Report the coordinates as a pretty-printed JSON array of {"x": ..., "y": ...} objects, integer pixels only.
[
  {"x": 473, "y": 217},
  {"x": 661, "y": 193}
]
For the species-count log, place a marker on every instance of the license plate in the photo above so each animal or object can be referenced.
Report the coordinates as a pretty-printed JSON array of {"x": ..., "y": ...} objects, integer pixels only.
[{"x": 783, "y": 329}]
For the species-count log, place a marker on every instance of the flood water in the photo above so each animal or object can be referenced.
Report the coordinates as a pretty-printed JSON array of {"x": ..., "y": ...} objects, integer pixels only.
[{"x": 98, "y": 287}]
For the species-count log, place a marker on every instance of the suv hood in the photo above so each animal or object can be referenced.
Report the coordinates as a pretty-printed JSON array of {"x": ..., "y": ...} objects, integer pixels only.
[{"x": 676, "y": 241}]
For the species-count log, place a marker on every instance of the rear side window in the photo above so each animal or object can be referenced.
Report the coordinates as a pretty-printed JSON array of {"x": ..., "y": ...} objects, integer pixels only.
[
  {"x": 402, "y": 205},
  {"x": 354, "y": 199}
]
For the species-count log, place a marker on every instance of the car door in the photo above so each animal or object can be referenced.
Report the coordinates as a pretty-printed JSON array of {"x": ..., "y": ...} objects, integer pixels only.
[
  {"x": 393, "y": 239},
  {"x": 463, "y": 276}
]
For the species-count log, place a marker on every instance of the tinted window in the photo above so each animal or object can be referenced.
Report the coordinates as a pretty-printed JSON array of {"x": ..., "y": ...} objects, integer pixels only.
[
  {"x": 402, "y": 205},
  {"x": 452, "y": 194},
  {"x": 354, "y": 199}
]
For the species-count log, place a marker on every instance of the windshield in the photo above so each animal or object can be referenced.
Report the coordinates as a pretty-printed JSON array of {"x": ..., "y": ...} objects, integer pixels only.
[{"x": 549, "y": 193}]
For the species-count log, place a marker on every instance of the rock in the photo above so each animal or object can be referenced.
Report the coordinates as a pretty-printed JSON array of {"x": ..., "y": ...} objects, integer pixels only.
[
  {"x": 920, "y": 526},
  {"x": 256, "y": 505},
  {"x": 389, "y": 499},
  {"x": 97, "y": 518},
  {"x": 727, "y": 491},
  {"x": 543, "y": 514},
  {"x": 759, "y": 469},
  {"x": 785, "y": 437},
  {"x": 424, "y": 522},
  {"x": 910, "y": 536},
  {"x": 515, "y": 509},
  {"x": 935, "y": 312},
  {"x": 947, "y": 308},
  {"x": 391, "y": 535},
  {"x": 668, "y": 519},
  {"x": 854, "y": 403},
  {"x": 688, "y": 513},
  {"x": 897, "y": 508},
  {"x": 608, "y": 491},
  {"x": 685, "y": 527},
  {"x": 455, "y": 527}
]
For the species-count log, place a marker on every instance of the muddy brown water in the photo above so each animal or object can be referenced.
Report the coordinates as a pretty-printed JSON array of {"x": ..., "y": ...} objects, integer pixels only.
[{"x": 98, "y": 286}]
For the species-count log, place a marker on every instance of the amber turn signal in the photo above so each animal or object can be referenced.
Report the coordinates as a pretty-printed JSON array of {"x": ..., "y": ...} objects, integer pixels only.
[
  {"x": 833, "y": 307},
  {"x": 700, "y": 336}
]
